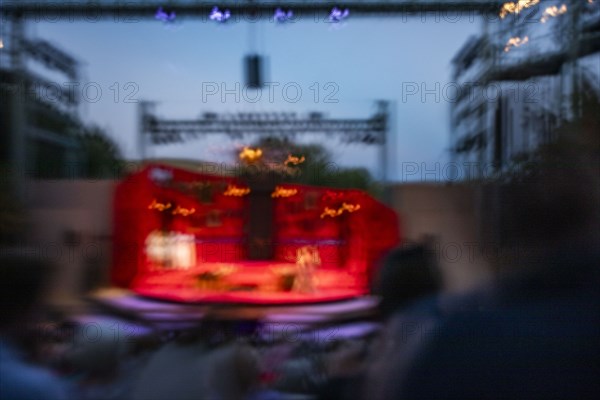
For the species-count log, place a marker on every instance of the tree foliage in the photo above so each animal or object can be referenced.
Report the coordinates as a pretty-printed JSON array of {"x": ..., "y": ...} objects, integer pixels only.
[{"x": 101, "y": 156}]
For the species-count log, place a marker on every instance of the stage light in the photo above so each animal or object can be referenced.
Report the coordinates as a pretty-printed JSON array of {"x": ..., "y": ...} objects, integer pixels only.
[
  {"x": 163, "y": 16},
  {"x": 282, "y": 16},
  {"x": 337, "y": 15},
  {"x": 218, "y": 15}
]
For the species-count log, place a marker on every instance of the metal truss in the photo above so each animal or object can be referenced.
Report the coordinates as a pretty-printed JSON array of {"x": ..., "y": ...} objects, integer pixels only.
[
  {"x": 249, "y": 9},
  {"x": 52, "y": 57},
  {"x": 370, "y": 131}
]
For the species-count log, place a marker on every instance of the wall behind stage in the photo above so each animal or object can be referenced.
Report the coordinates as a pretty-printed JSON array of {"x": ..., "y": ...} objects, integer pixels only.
[
  {"x": 71, "y": 224},
  {"x": 84, "y": 207},
  {"x": 450, "y": 215}
]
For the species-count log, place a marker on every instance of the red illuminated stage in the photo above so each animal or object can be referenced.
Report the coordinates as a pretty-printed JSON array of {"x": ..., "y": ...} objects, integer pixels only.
[{"x": 199, "y": 238}]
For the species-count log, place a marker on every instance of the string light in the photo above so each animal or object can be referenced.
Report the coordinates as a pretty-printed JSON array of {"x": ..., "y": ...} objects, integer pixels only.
[
  {"x": 155, "y": 205},
  {"x": 515, "y": 42},
  {"x": 332, "y": 212},
  {"x": 236, "y": 191},
  {"x": 552, "y": 12},
  {"x": 351, "y": 207},
  {"x": 516, "y": 8},
  {"x": 294, "y": 160},
  {"x": 283, "y": 192},
  {"x": 183, "y": 211}
]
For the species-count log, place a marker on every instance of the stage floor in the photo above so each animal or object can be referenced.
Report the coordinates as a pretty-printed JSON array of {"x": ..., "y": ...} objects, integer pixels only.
[
  {"x": 251, "y": 282},
  {"x": 169, "y": 316}
]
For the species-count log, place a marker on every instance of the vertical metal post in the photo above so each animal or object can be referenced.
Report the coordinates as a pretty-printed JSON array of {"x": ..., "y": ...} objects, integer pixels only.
[
  {"x": 573, "y": 48},
  {"x": 490, "y": 54},
  {"x": 18, "y": 129},
  {"x": 143, "y": 112},
  {"x": 383, "y": 113},
  {"x": 392, "y": 141}
]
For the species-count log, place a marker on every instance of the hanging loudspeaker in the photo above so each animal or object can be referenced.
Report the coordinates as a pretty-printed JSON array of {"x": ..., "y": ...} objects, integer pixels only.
[{"x": 253, "y": 64}]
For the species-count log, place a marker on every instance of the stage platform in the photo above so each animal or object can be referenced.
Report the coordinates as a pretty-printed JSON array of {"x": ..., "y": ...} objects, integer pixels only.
[
  {"x": 172, "y": 225},
  {"x": 335, "y": 320},
  {"x": 249, "y": 282}
]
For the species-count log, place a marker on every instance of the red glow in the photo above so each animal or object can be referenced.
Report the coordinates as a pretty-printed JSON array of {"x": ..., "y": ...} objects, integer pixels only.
[{"x": 349, "y": 245}]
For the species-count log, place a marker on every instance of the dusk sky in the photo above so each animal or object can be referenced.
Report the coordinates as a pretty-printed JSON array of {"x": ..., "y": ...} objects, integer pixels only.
[{"x": 366, "y": 59}]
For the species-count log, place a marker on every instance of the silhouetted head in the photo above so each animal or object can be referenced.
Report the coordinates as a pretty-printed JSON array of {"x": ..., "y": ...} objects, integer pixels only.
[
  {"x": 407, "y": 275},
  {"x": 551, "y": 206},
  {"x": 23, "y": 281}
]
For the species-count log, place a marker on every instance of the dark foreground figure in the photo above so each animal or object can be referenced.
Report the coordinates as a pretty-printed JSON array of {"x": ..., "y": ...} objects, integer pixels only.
[
  {"x": 538, "y": 338},
  {"x": 23, "y": 280},
  {"x": 535, "y": 333}
]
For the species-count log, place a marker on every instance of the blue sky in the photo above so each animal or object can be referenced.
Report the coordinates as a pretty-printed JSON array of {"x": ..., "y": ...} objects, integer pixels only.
[{"x": 365, "y": 59}]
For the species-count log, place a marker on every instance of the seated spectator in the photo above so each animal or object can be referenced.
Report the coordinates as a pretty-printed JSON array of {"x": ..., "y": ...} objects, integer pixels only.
[
  {"x": 23, "y": 280},
  {"x": 192, "y": 368},
  {"x": 99, "y": 360},
  {"x": 408, "y": 274},
  {"x": 538, "y": 335}
]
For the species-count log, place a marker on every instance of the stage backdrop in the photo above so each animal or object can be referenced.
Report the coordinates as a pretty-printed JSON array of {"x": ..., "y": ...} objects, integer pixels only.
[{"x": 165, "y": 205}]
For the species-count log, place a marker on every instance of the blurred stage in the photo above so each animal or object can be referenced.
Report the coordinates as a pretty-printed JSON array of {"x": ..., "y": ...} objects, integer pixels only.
[
  {"x": 188, "y": 237},
  {"x": 250, "y": 282}
]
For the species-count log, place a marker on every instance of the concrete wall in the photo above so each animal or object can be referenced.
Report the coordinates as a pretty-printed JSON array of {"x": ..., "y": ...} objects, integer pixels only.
[
  {"x": 450, "y": 214},
  {"x": 433, "y": 209},
  {"x": 71, "y": 223}
]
